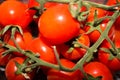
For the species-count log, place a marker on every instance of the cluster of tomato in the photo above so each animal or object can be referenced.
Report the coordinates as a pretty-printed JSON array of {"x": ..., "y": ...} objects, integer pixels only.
[{"x": 54, "y": 36}]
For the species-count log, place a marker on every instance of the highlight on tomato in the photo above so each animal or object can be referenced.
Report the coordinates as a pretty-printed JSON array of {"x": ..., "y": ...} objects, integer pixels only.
[
  {"x": 98, "y": 69},
  {"x": 11, "y": 68},
  {"x": 57, "y": 25},
  {"x": 43, "y": 49},
  {"x": 14, "y": 12}
]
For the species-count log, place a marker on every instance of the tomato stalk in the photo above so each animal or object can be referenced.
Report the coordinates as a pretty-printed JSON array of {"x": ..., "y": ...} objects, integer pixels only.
[
  {"x": 89, "y": 3},
  {"x": 90, "y": 51}
]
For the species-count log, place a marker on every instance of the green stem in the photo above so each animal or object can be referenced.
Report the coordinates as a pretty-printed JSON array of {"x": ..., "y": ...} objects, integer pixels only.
[
  {"x": 112, "y": 44},
  {"x": 103, "y": 6},
  {"x": 90, "y": 51}
]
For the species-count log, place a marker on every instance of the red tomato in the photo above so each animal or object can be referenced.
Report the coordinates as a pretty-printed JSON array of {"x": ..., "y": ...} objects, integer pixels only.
[
  {"x": 57, "y": 25},
  {"x": 104, "y": 57},
  {"x": 14, "y": 13},
  {"x": 117, "y": 22},
  {"x": 22, "y": 40},
  {"x": 33, "y": 3},
  {"x": 54, "y": 74},
  {"x": 94, "y": 35},
  {"x": 100, "y": 13},
  {"x": 11, "y": 68},
  {"x": 4, "y": 59},
  {"x": 98, "y": 69},
  {"x": 41, "y": 47},
  {"x": 76, "y": 53},
  {"x": 111, "y": 2}
]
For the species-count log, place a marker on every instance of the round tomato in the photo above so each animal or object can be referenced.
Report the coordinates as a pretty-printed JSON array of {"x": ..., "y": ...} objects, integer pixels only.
[
  {"x": 41, "y": 47},
  {"x": 104, "y": 57},
  {"x": 4, "y": 59},
  {"x": 11, "y": 68},
  {"x": 54, "y": 74},
  {"x": 95, "y": 34},
  {"x": 97, "y": 69},
  {"x": 14, "y": 12},
  {"x": 57, "y": 25},
  {"x": 99, "y": 13},
  {"x": 76, "y": 53},
  {"x": 22, "y": 41}
]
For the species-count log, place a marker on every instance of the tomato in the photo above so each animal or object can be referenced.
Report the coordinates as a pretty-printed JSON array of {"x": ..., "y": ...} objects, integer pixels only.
[
  {"x": 76, "y": 53},
  {"x": 33, "y": 3},
  {"x": 11, "y": 68},
  {"x": 22, "y": 41},
  {"x": 54, "y": 74},
  {"x": 99, "y": 13},
  {"x": 98, "y": 69},
  {"x": 57, "y": 25},
  {"x": 94, "y": 35},
  {"x": 104, "y": 57},
  {"x": 41, "y": 47},
  {"x": 14, "y": 13},
  {"x": 117, "y": 22},
  {"x": 113, "y": 2},
  {"x": 4, "y": 59}
]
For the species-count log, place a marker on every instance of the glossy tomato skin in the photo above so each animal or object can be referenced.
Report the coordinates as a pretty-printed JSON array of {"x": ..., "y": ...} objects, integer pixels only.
[
  {"x": 94, "y": 35},
  {"x": 14, "y": 13},
  {"x": 100, "y": 13},
  {"x": 41, "y": 47},
  {"x": 76, "y": 53},
  {"x": 5, "y": 59},
  {"x": 11, "y": 69},
  {"x": 57, "y": 25},
  {"x": 117, "y": 22},
  {"x": 98, "y": 69},
  {"x": 103, "y": 56},
  {"x": 22, "y": 41},
  {"x": 63, "y": 75}
]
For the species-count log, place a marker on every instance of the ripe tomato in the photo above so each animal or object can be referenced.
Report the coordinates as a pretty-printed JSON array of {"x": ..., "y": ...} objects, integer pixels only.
[
  {"x": 33, "y": 3},
  {"x": 94, "y": 35},
  {"x": 117, "y": 22},
  {"x": 54, "y": 74},
  {"x": 104, "y": 57},
  {"x": 14, "y": 13},
  {"x": 11, "y": 68},
  {"x": 113, "y": 2},
  {"x": 22, "y": 40},
  {"x": 57, "y": 25},
  {"x": 100, "y": 13},
  {"x": 76, "y": 53},
  {"x": 4, "y": 59},
  {"x": 41, "y": 47},
  {"x": 98, "y": 69}
]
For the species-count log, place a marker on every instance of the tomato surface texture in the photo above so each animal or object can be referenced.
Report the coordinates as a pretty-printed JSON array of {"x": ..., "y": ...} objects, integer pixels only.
[{"x": 57, "y": 25}]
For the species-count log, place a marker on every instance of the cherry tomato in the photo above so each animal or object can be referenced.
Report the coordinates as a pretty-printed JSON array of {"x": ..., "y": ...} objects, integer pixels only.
[
  {"x": 14, "y": 13},
  {"x": 54, "y": 74},
  {"x": 22, "y": 41},
  {"x": 94, "y": 35},
  {"x": 98, "y": 69},
  {"x": 4, "y": 59},
  {"x": 11, "y": 68},
  {"x": 41, "y": 47},
  {"x": 99, "y": 13},
  {"x": 117, "y": 22},
  {"x": 104, "y": 57},
  {"x": 57, "y": 25},
  {"x": 33, "y": 3},
  {"x": 75, "y": 53}
]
